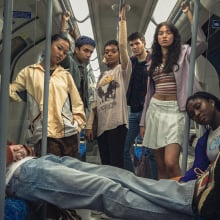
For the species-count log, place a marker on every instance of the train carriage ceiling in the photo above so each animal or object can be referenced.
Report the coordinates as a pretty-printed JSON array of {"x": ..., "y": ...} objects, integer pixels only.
[{"x": 104, "y": 19}]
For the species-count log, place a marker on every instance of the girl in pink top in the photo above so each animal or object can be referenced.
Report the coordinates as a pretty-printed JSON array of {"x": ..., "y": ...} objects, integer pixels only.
[{"x": 163, "y": 118}]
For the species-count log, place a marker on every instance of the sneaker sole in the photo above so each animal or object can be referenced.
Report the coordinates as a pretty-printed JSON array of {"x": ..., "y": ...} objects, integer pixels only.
[{"x": 210, "y": 198}]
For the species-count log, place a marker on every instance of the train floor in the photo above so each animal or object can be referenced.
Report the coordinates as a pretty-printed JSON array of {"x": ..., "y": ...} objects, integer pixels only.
[
  {"x": 93, "y": 215},
  {"x": 92, "y": 156}
]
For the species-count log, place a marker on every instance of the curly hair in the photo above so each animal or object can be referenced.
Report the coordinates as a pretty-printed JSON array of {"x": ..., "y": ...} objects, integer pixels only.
[
  {"x": 111, "y": 42},
  {"x": 173, "y": 50},
  {"x": 204, "y": 95}
]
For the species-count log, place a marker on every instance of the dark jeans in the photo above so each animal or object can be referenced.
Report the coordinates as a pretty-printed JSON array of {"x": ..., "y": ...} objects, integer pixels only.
[{"x": 111, "y": 146}]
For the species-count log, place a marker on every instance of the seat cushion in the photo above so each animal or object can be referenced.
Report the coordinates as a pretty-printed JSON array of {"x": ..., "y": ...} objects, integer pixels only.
[{"x": 16, "y": 209}]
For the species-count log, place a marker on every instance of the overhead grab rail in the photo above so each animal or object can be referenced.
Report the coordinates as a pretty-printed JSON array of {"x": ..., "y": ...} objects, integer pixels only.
[
  {"x": 63, "y": 6},
  {"x": 153, "y": 21},
  {"x": 83, "y": 20},
  {"x": 179, "y": 13},
  {"x": 94, "y": 59}
]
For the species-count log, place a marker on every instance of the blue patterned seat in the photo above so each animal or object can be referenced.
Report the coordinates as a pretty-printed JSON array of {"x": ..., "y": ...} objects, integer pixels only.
[{"x": 16, "y": 209}]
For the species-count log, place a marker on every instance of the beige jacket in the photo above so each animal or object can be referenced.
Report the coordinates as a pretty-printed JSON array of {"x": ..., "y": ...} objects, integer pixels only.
[{"x": 66, "y": 114}]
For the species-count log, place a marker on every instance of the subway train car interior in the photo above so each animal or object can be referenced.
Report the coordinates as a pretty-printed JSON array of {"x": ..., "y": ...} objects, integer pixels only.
[{"x": 25, "y": 37}]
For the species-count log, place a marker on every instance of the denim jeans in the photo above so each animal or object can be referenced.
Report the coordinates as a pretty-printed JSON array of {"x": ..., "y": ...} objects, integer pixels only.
[
  {"x": 133, "y": 131},
  {"x": 72, "y": 184}
]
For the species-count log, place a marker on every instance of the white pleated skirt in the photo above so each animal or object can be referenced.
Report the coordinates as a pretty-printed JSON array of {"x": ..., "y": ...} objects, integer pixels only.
[{"x": 164, "y": 124}]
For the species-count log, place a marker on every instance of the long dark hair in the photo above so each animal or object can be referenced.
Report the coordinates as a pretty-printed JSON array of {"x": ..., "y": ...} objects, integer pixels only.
[
  {"x": 173, "y": 50},
  {"x": 204, "y": 95}
]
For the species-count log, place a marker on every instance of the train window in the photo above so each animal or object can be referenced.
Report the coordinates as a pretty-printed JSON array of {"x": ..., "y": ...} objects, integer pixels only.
[
  {"x": 157, "y": 18},
  {"x": 161, "y": 5},
  {"x": 18, "y": 44}
]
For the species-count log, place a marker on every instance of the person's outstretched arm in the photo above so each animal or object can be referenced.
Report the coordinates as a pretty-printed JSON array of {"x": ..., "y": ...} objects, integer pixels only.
[
  {"x": 201, "y": 44},
  {"x": 64, "y": 27},
  {"x": 64, "y": 22},
  {"x": 186, "y": 10},
  {"x": 124, "y": 58}
]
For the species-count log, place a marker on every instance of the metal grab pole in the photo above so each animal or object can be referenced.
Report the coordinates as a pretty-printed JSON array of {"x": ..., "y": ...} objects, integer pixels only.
[
  {"x": 179, "y": 13},
  {"x": 46, "y": 78},
  {"x": 4, "y": 98},
  {"x": 46, "y": 93},
  {"x": 65, "y": 10},
  {"x": 191, "y": 81},
  {"x": 121, "y": 3}
]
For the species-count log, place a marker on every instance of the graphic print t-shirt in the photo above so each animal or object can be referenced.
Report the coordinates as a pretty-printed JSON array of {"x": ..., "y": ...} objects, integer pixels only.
[
  {"x": 213, "y": 144},
  {"x": 111, "y": 98}
]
